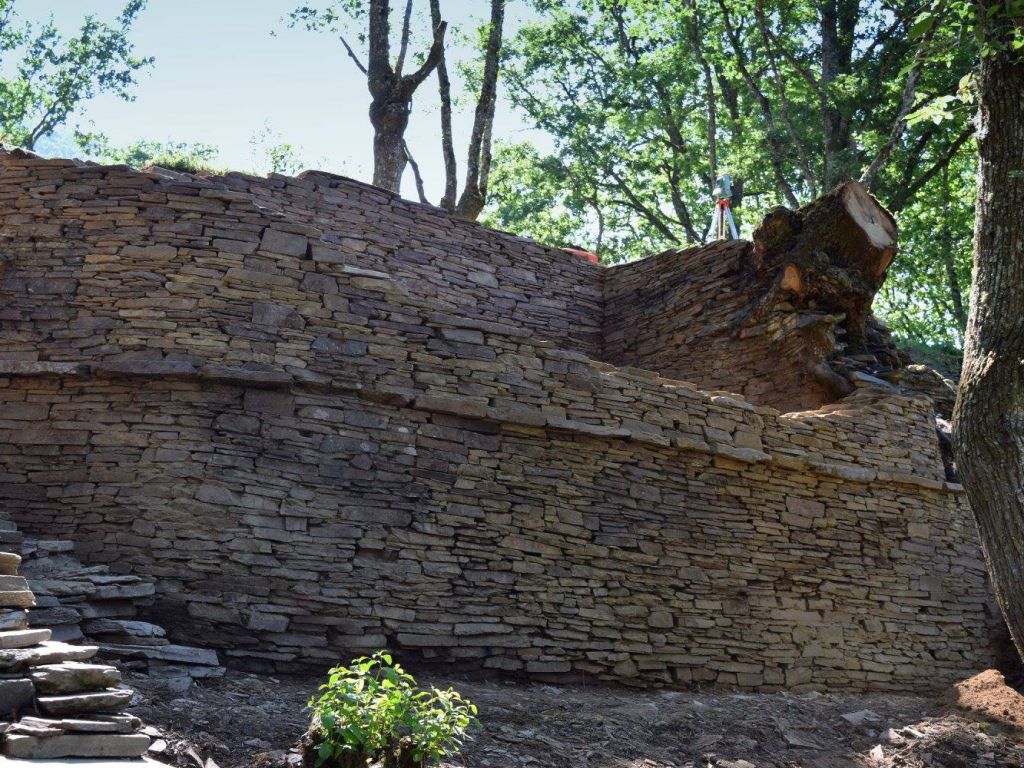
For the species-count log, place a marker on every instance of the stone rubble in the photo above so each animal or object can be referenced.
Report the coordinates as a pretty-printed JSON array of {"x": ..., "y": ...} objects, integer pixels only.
[{"x": 80, "y": 704}]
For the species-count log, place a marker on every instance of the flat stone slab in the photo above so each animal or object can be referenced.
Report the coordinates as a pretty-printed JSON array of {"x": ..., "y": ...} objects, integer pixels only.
[
  {"x": 111, "y": 700},
  {"x": 13, "y": 583},
  {"x": 9, "y": 563},
  {"x": 143, "y": 762},
  {"x": 77, "y": 745},
  {"x": 178, "y": 654},
  {"x": 13, "y": 619},
  {"x": 92, "y": 724},
  {"x": 73, "y": 677},
  {"x": 50, "y": 652},
  {"x": 23, "y": 638},
  {"x": 20, "y": 598}
]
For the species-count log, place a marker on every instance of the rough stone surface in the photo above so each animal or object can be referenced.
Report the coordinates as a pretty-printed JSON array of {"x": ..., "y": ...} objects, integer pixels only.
[
  {"x": 23, "y": 638},
  {"x": 15, "y": 695},
  {"x": 94, "y": 701},
  {"x": 77, "y": 745},
  {"x": 399, "y": 437},
  {"x": 71, "y": 677}
]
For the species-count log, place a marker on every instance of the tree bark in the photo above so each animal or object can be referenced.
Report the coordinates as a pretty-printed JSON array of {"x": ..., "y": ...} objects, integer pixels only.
[
  {"x": 444, "y": 89},
  {"x": 391, "y": 95},
  {"x": 833, "y": 253},
  {"x": 989, "y": 413},
  {"x": 478, "y": 164}
]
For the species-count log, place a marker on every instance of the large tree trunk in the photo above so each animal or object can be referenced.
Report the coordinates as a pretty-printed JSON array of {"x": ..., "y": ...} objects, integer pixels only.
[
  {"x": 389, "y": 117},
  {"x": 989, "y": 414},
  {"x": 391, "y": 92},
  {"x": 833, "y": 253}
]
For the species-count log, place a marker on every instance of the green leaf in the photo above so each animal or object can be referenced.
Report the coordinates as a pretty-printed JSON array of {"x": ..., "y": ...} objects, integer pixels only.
[{"x": 922, "y": 24}]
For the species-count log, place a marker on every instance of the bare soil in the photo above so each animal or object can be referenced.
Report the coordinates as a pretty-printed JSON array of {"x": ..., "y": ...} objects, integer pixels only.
[{"x": 252, "y": 721}]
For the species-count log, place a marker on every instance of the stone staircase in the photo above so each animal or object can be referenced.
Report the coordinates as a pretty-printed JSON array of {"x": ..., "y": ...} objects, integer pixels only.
[
  {"x": 59, "y": 704},
  {"x": 77, "y": 601}
]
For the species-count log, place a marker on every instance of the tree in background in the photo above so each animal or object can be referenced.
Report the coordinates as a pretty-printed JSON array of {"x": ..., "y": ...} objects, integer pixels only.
[
  {"x": 478, "y": 162},
  {"x": 989, "y": 413},
  {"x": 271, "y": 153},
  {"x": 174, "y": 155},
  {"x": 391, "y": 89},
  {"x": 49, "y": 76},
  {"x": 392, "y": 92},
  {"x": 649, "y": 102}
]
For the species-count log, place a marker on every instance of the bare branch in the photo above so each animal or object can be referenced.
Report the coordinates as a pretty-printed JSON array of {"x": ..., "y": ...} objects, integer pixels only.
[
  {"x": 352, "y": 55},
  {"x": 410, "y": 83},
  {"x": 444, "y": 88},
  {"x": 416, "y": 173},
  {"x": 404, "y": 45}
]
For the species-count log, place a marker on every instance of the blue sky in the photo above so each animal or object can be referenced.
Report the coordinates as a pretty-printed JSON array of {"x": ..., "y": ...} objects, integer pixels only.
[{"x": 220, "y": 76}]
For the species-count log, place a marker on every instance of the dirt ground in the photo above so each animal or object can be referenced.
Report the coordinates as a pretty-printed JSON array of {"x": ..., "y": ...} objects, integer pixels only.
[{"x": 250, "y": 721}]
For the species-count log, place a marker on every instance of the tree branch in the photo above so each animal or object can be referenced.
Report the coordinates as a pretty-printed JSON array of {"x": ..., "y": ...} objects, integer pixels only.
[
  {"x": 416, "y": 173},
  {"x": 410, "y": 83},
  {"x": 404, "y": 44},
  {"x": 352, "y": 54}
]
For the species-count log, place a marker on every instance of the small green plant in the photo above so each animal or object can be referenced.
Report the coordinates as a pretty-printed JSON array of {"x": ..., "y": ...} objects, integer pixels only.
[{"x": 373, "y": 710}]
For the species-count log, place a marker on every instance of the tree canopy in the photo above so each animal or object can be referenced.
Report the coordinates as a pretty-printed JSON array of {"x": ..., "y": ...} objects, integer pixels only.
[
  {"x": 49, "y": 76},
  {"x": 649, "y": 102}
]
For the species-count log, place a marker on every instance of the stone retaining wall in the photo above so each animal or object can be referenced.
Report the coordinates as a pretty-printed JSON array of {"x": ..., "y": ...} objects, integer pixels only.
[
  {"x": 690, "y": 314},
  {"x": 312, "y": 461}
]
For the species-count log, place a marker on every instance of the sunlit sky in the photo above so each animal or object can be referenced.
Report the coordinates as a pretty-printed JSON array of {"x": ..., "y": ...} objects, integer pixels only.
[{"x": 220, "y": 76}]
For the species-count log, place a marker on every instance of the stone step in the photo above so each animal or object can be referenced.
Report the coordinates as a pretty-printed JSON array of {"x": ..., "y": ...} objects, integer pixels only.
[
  {"x": 42, "y": 726},
  {"x": 22, "y": 598},
  {"x": 50, "y": 652},
  {"x": 73, "y": 677},
  {"x": 77, "y": 745},
  {"x": 99, "y": 762},
  {"x": 23, "y": 638},
  {"x": 13, "y": 619},
  {"x": 110, "y": 700},
  {"x": 9, "y": 563}
]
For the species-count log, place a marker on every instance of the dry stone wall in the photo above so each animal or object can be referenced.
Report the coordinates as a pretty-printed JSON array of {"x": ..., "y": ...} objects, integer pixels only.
[{"x": 311, "y": 461}]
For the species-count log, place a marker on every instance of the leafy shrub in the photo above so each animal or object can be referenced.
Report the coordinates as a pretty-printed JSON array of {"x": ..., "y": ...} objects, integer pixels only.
[{"x": 373, "y": 710}]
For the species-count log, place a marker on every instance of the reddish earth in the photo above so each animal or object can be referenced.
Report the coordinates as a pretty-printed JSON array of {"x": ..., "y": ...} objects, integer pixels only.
[
  {"x": 988, "y": 695},
  {"x": 250, "y": 721}
]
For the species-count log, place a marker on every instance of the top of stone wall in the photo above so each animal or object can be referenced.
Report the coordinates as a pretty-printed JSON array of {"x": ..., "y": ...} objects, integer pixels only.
[{"x": 160, "y": 276}]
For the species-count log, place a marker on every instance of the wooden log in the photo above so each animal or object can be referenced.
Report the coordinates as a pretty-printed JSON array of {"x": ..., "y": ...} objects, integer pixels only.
[{"x": 831, "y": 255}]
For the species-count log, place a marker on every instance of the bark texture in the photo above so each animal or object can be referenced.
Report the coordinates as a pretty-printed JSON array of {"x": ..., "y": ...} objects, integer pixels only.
[
  {"x": 833, "y": 253},
  {"x": 391, "y": 93},
  {"x": 989, "y": 414},
  {"x": 478, "y": 163}
]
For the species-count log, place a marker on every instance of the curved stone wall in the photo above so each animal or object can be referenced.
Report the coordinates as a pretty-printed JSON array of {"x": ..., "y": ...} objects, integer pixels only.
[{"x": 311, "y": 461}]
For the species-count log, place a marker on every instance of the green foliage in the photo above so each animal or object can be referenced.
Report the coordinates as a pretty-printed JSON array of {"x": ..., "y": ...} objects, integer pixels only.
[
  {"x": 174, "y": 155},
  {"x": 373, "y": 710},
  {"x": 48, "y": 76},
  {"x": 272, "y": 154},
  {"x": 648, "y": 102}
]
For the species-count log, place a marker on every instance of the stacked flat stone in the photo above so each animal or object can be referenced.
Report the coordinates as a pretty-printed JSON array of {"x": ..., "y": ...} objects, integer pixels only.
[
  {"x": 324, "y": 421},
  {"x": 76, "y": 601},
  {"x": 80, "y": 705}
]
